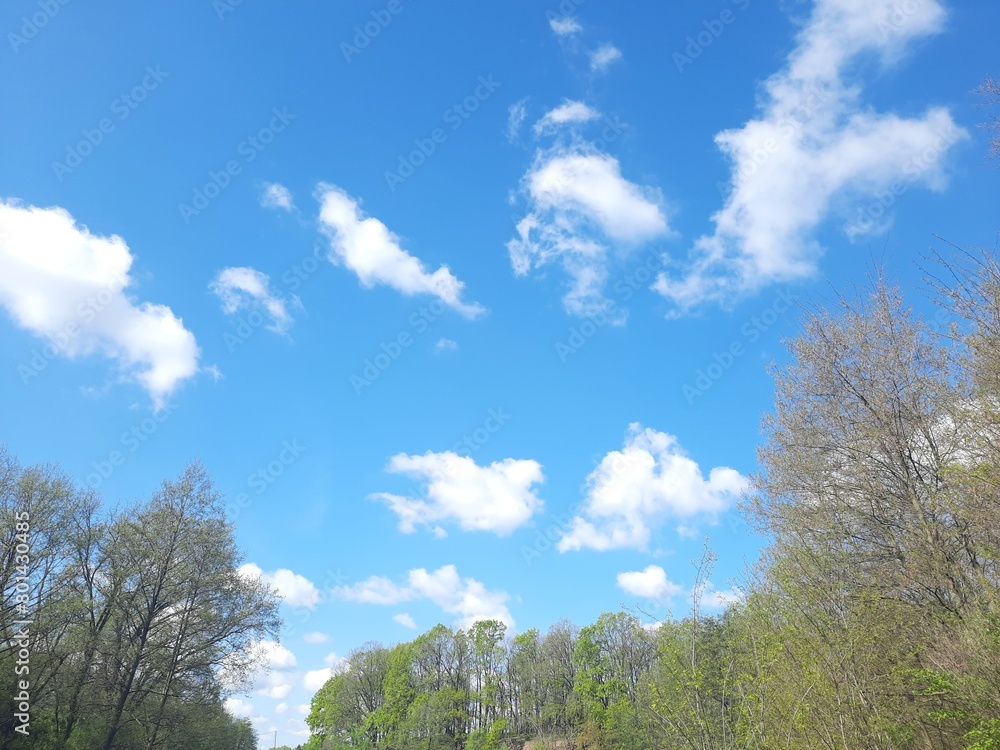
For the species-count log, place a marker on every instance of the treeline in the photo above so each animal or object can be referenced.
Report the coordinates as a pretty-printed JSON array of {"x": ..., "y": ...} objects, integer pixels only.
[
  {"x": 871, "y": 621},
  {"x": 121, "y": 629}
]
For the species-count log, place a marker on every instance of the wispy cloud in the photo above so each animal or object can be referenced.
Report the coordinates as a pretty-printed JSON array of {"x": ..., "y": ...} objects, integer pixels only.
[
  {"x": 814, "y": 140},
  {"x": 580, "y": 208},
  {"x": 602, "y": 57},
  {"x": 368, "y": 248},
  {"x": 242, "y": 288}
]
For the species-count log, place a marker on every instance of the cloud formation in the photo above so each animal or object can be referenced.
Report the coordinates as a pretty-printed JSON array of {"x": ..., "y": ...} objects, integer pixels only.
[
  {"x": 277, "y": 196},
  {"x": 635, "y": 490},
  {"x": 565, "y": 26},
  {"x": 814, "y": 144},
  {"x": 602, "y": 57},
  {"x": 71, "y": 288},
  {"x": 241, "y": 288},
  {"x": 567, "y": 113},
  {"x": 651, "y": 583},
  {"x": 368, "y": 248},
  {"x": 294, "y": 589},
  {"x": 580, "y": 208},
  {"x": 497, "y": 498},
  {"x": 465, "y": 598}
]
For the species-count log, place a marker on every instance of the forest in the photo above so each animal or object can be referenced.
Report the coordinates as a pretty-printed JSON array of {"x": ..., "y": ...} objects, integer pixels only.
[
  {"x": 123, "y": 627},
  {"x": 871, "y": 620}
]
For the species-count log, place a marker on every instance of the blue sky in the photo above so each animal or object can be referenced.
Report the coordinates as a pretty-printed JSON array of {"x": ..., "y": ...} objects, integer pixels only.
[{"x": 467, "y": 307}]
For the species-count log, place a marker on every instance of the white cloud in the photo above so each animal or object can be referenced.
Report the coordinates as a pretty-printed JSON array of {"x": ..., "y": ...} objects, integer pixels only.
[
  {"x": 445, "y": 345},
  {"x": 814, "y": 148},
  {"x": 602, "y": 57},
  {"x": 71, "y": 288},
  {"x": 276, "y": 686},
  {"x": 368, "y": 248},
  {"x": 404, "y": 619},
  {"x": 274, "y": 656},
  {"x": 497, "y": 498},
  {"x": 635, "y": 489},
  {"x": 303, "y": 708},
  {"x": 281, "y": 708},
  {"x": 316, "y": 679},
  {"x": 565, "y": 26},
  {"x": 239, "y": 708},
  {"x": 712, "y": 598},
  {"x": 516, "y": 114},
  {"x": 569, "y": 112},
  {"x": 374, "y": 590},
  {"x": 296, "y": 590},
  {"x": 315, "y": 637},
  {"x": 277, "y": 196},
  {"x": 580, "y": 207},
  {"x": 651, "y": 583},
  {"x": 466, "y": 598},
  {"x": 242, "y": 287}
]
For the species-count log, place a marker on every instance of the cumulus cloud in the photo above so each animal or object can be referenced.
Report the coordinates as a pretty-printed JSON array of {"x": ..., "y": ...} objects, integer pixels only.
[
  {"x": 276, "y": 685},
  {"x": 404, "y": 619},
  {"x": 296, "y": 590},
  {"x": 445, "y": 345},
  {"x": 368, "y": 248},
  {"x": 316, "y": 678},
  {"x": 465, "y": 598},
  {"x": 497, "y": 498},
  {"x": 651, "y": 583},
  {"x": 72, "y": 288},
  {"x": 602, "y": 57},
  {"x": 815, "y": 148},
  {"x": 315, "y": 637},
  {"x": 580, "y": 208},
  {"x": 276, "y": 196},
  {"x": 634, "y": 490},
  {"x": 569, "y": 112},
  {"x": 565, "y": 26},
  {"x": 272, "y": 655},
  {"x": 241, "y": 288}
]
